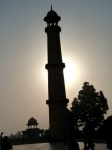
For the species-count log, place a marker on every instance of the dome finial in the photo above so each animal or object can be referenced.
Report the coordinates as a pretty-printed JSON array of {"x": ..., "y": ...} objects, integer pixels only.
[{"x": 51, "y": 7}]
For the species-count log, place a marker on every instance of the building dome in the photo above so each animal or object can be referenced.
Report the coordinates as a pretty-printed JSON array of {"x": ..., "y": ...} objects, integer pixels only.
[
  {"x": 52, "y": 17},
  {"x": 32, "y": 121},
  {"x": 51, "y": 13}
]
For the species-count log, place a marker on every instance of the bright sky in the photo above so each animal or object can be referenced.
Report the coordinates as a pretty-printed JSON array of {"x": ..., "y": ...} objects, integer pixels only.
[{"x": 86, "y": 42}]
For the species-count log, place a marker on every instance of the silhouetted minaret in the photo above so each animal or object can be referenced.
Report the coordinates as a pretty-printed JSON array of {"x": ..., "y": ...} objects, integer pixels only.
[{"x": 56, "y": 87}]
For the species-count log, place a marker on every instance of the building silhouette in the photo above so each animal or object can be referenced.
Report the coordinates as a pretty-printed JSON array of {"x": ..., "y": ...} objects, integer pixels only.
[
  {"x": 57, "y": 100},
  {"x": 32, "y": 132}
]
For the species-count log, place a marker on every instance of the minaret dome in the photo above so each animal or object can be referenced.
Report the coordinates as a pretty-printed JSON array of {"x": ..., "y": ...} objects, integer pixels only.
[{"x": 52, "y": 18}]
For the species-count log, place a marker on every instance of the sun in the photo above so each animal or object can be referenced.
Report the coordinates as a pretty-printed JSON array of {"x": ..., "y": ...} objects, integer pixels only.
[{"x": 70, "y": 72}]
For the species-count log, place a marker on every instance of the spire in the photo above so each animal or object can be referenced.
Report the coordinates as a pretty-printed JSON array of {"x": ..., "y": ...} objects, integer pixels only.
[{"x": 51, "y": 7}]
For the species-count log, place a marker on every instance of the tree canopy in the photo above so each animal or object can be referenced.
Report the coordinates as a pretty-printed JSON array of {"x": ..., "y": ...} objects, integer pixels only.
[
  {"x": 107, "y": 127},
  {"x": 89, "y": 107}
]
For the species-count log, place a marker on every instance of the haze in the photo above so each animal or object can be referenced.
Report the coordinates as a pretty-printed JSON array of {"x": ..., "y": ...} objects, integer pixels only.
[{"x": 86, "y": 42}]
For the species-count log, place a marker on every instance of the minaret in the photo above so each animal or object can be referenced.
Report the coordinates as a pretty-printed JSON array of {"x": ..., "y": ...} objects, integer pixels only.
[{"x": 56, "y": 87}]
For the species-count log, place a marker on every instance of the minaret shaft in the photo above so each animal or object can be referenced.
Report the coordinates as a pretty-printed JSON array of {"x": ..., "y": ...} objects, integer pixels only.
[
  {"x": 53, "y": 42},
  {"x": 56, "y": 87}
]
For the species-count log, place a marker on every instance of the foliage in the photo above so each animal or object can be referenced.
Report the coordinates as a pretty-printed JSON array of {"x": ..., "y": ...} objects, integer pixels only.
[
  {"x": 89, "y": 108},
  {"x": 107, "y": 126},
  {"x": 107, "y": 130}
]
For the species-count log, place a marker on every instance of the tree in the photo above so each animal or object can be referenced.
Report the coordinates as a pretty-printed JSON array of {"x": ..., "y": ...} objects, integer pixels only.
[
  {"x": 89, "y": 108},
  {"x": 107, "y": 130}
]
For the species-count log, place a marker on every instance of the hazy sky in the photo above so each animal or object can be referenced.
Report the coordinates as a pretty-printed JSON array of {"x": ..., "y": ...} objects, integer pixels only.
[{"x": 86, "y": 41}]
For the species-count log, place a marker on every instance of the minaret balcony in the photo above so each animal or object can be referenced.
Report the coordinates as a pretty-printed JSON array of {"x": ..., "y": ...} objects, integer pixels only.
[
  {"x": 53, "y": 66},
  {"x": 52, "y": 28}
]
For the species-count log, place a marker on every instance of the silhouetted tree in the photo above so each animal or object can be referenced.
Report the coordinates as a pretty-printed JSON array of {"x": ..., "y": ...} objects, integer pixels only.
[
  {"x": 107, "y": 129},
  {"x": 89, "y": 109}
]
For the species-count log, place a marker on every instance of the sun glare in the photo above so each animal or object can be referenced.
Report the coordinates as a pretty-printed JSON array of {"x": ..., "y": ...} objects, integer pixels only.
[{"x": 70, "y": 72}]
